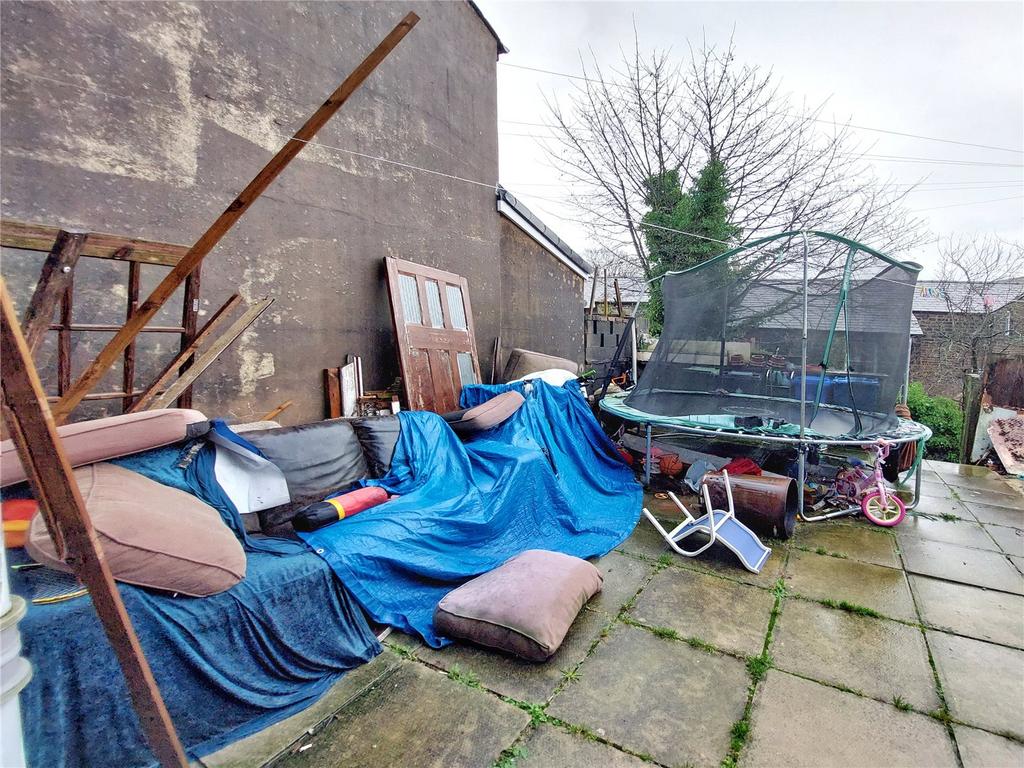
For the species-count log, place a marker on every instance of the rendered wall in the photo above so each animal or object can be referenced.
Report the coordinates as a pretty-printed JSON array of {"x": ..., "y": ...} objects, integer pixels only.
[
  {"x": 163, "y": 111},
  {"x": 542, "y": 300}
]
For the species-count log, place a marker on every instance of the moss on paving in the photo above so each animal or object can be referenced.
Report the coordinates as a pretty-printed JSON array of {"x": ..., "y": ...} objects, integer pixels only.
[{"x": 849, "y": 607}]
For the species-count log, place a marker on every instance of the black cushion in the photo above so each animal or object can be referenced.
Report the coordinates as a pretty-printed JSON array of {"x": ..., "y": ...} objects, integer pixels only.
[
  {"x": 317, "y": 458},
  {"x": 378, "y": 436}
]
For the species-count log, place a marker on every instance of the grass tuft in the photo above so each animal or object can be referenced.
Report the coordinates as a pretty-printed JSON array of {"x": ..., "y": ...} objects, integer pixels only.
[
  {"x": 507, "y": 759},
  {"x": 900, "y": 704},
  {"x": 400, "y": 650},
  {"x": 860, "y": 610},
  {"x": 701, "y": 645},
  {"x": 665, "y": 559},
  {"x": 666, "y": 633},
  {"x": 949, "y": 517},
  {"x": 758, "y": 666},
  {"x": 571, "y": 674},
  {"x": 468, "y": 679}
]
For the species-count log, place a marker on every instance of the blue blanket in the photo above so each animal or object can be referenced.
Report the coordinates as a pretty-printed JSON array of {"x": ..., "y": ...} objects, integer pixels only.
[
  {"x": 227, "y": 665},
  {"x": 548, "y": 478}
]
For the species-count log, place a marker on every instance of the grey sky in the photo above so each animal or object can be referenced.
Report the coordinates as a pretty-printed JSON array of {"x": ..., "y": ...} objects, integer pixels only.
[{"x": 946, "y": 70}]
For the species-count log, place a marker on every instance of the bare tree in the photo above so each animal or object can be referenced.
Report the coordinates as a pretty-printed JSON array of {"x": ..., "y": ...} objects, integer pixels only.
[
  {"x": 653, "y": 115},
  {"x": 981, "y": 286}
]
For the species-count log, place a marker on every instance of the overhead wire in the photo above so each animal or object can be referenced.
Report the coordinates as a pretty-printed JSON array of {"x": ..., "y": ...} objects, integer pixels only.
[{"x": 781, "y": 114}]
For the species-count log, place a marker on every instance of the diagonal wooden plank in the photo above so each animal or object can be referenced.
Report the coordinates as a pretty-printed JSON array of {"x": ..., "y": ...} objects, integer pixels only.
[
  {"x": 109, "y": 354},
  {"x": 60, "y": 503},
  {"x": 208, "y": 355},
  {"x": 186, "y": 354},
  {"x": 53, "y": 281}
]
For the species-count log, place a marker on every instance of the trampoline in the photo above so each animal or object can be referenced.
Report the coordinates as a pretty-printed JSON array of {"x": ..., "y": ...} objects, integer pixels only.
[{"x": 786, "y": 343}]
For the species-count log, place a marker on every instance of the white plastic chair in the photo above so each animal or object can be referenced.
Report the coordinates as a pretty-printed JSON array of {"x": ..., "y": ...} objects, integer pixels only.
[{"x": 720, "y": 525}]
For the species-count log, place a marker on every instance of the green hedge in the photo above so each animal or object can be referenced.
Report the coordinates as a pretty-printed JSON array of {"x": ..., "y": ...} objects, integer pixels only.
[{"x": 943, "y": 416}]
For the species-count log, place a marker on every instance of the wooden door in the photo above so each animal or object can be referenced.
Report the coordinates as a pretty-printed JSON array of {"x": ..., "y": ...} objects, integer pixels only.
[{"x": 434, "y": 329}]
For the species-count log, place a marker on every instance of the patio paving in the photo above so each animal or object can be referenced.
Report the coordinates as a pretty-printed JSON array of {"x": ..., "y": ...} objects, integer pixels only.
[
  {"x": 801, "y": 723},
  {"x": 878, "y": 658},
  {"x": 669, "y": 682},
  {"x": 645, "y": 692}
]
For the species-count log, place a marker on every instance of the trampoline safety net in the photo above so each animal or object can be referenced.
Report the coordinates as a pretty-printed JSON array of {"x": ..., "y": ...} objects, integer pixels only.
[{"x": 731, "y": 349}]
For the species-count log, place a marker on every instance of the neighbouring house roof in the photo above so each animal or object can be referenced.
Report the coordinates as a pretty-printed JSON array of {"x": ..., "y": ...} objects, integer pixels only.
[
  {"x": 515, "y": 211},
  {"x": 476, "y": 9},
  {"x": 633, "y": 289},
  {"x": 944, "y": 296}
]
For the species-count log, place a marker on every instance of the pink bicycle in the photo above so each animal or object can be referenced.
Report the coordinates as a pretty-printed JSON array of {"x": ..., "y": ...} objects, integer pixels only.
[{"x": 879, "y": 505}]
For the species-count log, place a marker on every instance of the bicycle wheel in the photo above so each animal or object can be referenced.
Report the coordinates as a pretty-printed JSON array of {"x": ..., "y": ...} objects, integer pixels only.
[{"x": 887, "y": 512}]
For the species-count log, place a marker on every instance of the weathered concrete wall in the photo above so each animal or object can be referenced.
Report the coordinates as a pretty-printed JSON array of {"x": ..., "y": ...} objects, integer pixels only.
[
  {"x": 148, "y": 118},
  {"x": 542, "y": 300}
]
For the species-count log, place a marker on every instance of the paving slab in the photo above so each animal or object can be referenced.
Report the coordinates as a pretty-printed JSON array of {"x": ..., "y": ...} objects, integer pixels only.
[
  {"x": 982, "y": 682},
  {"x": 863, "y": 542},
  {"x": 645, "y": 541},
  {"x": 880, "y": 658},
  {"x": 963, "y": 532},
  {"x": 829, "y": 578},
  {"x": 623, "y": 577},
  {"x": 937, "y": 506},
  {"x": 415, "y": 718},
  {"x": 996, "y": 514},
  {"x": 1010, "y": 540},
  {"x": 264, "y": 746},
  {"x": 984, "y": 614},
  {"x": 549, "y": 747},
  {"x": 725, "y": 613},
  {"x": 520, "y": 679},
  {"x": 658, "y": 697},
  {"x": 719, "y": 559},
  {"x": 980, "y": 749},
  {"x": 799, "y": 723},
  {"x": 936, "y": 487},
  {"x": 977, "y": 567}
]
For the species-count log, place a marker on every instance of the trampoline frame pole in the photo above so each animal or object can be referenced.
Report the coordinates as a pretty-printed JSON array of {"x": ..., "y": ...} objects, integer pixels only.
[
  {"x": 802, "y": 448},
  {"x": 647, "y": 458}
]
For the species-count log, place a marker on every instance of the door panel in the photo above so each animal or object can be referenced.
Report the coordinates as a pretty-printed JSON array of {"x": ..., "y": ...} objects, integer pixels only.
[{"x": 434, "y": 328}]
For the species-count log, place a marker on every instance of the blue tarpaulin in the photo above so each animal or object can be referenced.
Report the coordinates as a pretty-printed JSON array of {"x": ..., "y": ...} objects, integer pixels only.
[
  {"x": 228, "y": 665},
  {"x": 547, "y": 478}
]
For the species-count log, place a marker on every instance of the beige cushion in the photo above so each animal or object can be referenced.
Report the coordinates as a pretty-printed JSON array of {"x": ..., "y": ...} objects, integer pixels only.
[
  {"x": 523, "y": 607},
  {"x": 152, "y": 535},
  {"x": 108, "y": 438}
]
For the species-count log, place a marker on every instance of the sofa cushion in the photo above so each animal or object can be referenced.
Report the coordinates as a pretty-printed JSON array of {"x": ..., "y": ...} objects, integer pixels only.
[
  {"x": 108, "y": 438},
  {"x": 485, "y": 416},
  {"x": 523, "y": 607},
  {"x": 316, "y": 459},
  {"x": 152, "y": 535},
  {"x": 378, "y": 435},
  {"x": 523, "y": 361}
]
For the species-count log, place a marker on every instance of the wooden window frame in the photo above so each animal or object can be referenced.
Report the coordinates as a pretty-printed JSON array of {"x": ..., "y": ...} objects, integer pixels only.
[{"x": 26, "y": 236}]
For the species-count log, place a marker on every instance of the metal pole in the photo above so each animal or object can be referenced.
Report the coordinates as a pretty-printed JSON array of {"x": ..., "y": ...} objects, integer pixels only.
[
  {"x": 802, "y": 448},
  {"x": 647, "y": 458}
]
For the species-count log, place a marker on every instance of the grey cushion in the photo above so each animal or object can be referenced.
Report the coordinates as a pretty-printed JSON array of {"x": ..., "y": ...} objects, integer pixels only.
[
  {"x": 524, "y": 361},
  {"x": 485, "y": 416},
  {"x": 317, "y": 458},
  {"x": 523, "y": 607}
]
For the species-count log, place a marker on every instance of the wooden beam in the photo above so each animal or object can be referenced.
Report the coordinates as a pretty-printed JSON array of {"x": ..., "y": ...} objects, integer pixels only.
[
  {"x": 220, "y": 227},
  {"x": 273, "y": 414},
  {"x": 128, "y": 367},
  {"x": 189, "y": 317},
  {"x": 63, "y": 510},
  {"x": 40, "y": 237},
  {"x": 332, "y": 392},
  {"x": 618, "y": 299},
  {"x": 208, "y": 355},
  {"x": 53, "y": 282},
  {"x": 185, "y": 355}
]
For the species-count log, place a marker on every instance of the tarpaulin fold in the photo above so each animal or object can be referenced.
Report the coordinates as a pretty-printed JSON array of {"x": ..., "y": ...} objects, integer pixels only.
[{"x": 547, "y": 478}]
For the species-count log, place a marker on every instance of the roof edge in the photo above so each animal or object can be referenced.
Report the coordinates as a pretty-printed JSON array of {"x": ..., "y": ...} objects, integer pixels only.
[
  {"x": 542, "y": 232},
  {"x": 476, "y": 9}
]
